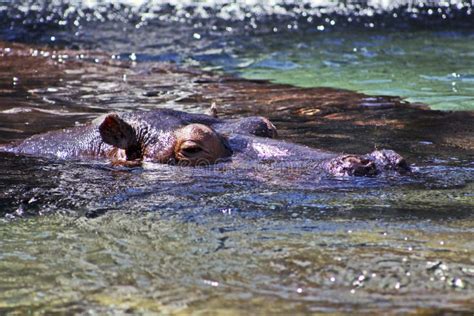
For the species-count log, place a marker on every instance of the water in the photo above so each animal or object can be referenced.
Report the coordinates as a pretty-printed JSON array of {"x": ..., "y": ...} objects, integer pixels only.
[
  {"x": 418, "y": 66},
  {"x": 84, "y": 237},
  {"x": 304, "y": 44}
]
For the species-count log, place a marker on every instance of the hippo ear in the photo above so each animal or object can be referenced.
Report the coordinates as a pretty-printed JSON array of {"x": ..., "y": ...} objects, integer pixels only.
[{"x": 118, "y": 133}]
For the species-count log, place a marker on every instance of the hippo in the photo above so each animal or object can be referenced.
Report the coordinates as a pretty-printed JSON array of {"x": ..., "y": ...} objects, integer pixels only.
[{"x": 179, "y": 138}]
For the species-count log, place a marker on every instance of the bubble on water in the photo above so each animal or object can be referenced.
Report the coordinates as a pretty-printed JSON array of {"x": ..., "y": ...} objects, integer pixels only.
[
  {"x": 211, "y": 283},
  {"x": 226, "y": 211},
  {"x": 457, "y": 283},
  {"x": 425, "y": 142}
]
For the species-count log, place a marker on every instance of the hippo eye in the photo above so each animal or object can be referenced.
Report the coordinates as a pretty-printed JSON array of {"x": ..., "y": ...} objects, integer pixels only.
[{"x": 191, "y": 150}]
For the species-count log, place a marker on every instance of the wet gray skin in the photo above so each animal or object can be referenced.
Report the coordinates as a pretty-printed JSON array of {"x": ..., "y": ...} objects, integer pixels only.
[{"x": 175, "y": 137}]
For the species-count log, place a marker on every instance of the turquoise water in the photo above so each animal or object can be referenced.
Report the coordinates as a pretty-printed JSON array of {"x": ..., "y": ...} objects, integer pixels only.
[{"x": 430, "y": 67}]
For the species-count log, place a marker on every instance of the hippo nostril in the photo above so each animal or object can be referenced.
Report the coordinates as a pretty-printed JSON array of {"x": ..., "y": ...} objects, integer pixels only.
[
  {"x": 402, "y": 166},
  {"x": 365, "y": 168},
  {"x": 352, "y": 165}
]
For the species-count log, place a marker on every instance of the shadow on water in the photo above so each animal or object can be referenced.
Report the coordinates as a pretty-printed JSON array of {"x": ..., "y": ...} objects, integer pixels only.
[{"x": 84, "y": 237}]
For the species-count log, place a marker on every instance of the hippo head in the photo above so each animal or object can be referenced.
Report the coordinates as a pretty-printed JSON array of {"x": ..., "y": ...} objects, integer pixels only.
[
  {"x": 191, "y": 145},
  {"x": 198, "y": 144}
]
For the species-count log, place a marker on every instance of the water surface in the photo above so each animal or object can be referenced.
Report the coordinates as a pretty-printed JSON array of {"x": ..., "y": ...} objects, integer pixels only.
[{"x": 85, "y": 237}]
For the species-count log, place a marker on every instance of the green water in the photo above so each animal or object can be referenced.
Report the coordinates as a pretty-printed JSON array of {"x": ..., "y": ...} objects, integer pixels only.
[
  {"x": 230, "y": 262},
  {"x": 434, "y": 68}
]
